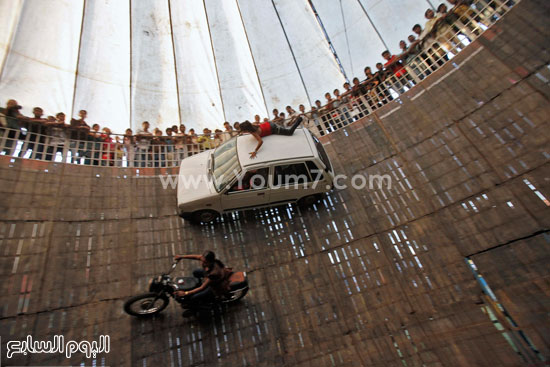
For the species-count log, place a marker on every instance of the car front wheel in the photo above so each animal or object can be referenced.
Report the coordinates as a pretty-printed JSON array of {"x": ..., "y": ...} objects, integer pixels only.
[{"x": 204, "y": 216}]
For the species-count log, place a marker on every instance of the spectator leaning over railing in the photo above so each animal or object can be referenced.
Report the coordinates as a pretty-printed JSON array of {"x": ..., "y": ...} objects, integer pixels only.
[
  {"x": 157, "y": 147},
  {"x": 351, "y": 102},
  {"x": 429, "y": 35},
  {"x": 79, "y": 133},
  {"x": 307, "y": 121},
  {"x": 327, "y": 115},
  {"x": 447, "y": 31},
  {"x": 426, "y": 56},
  {"x": 174, "y": 129},
  {"x": 12, "y": 123},
  {"x": 357, "y": 90},
  {"x": 371, "y": 84},
  {"x": 409, "y": 56},
  {"x": 35, "y": 138},
  {"x": 395, "y": 66},
  {"x": 218, "y": 137},
  {"x": 405, "y": 55},
  {"x": 291, "y": 114},
  {"x": 347, "y": 95},
  {"x": 57, "y": 136},
  {"x": 464, "y": 20},
  {"x": 21, "y": 135},
  {"x": 384, "y": 94},
  {"x": 466, "y": 17},
  {"x": 334, "y": 111},
  {"x": 316, "y": 114},
  {"x": 192, "y": 143},
  {"x": 170, "y": 146},
  {"x": 86, "y": 148},
  {"x": 108, "y": 148},
  {"x": 367, "y": 88},
  {"x": 228, "y": 129},
  {"x": 417, "y": 28},
  {"x": 430, "y": 26},
  {"x": 181, "y": 143},
  {"x": 370, "y": 81},
  {"x": 347, "y": 88},
  {"x": 329, "y": 102},
  {"x": 343, "y": 106},
  {"x": 119, "y": 151},
  {"x": 275, "y": 117},
  {"x": 205, "y": 139},
  {"x": 129, "y": 147},
  {"x": 143, "y": 143},
  {"x": 182, "y": 130},
  {"x": 424, "y": 61},
  {"x": 88, "y": 152},
  {"x": 94, "y": 144}
]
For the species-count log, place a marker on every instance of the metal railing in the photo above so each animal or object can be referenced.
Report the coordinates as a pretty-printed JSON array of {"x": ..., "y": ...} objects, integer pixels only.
[{"x": 36, "y": 140}]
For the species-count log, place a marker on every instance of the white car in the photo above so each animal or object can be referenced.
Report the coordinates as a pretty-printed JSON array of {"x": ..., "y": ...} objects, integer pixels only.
[{"x": 287, "y": 169}]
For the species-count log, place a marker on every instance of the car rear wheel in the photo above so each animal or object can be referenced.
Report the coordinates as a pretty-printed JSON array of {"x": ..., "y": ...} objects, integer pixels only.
[
  {"x": 309, "y": 200},
  {"x": 205, "y": 216}
]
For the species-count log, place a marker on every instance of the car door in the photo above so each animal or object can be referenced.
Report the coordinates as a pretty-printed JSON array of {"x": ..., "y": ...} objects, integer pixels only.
[
  {"x": 251, "y": 189},
  {"x": 291, "y": 181}
]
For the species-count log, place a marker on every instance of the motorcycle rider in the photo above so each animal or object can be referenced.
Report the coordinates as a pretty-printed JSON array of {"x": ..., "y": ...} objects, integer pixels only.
[
  {"x": 207, "y": 258},
  {"x": 215, "y": 284}
]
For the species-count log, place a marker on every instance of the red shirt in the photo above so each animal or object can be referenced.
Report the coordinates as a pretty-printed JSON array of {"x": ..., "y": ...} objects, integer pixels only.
[
  {"x": 265, "y": 129},
  {"x": 396, "y": 68}
]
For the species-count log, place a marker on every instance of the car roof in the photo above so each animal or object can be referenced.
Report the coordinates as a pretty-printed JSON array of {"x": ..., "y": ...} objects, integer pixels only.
[{"x": 275, "y": 148}]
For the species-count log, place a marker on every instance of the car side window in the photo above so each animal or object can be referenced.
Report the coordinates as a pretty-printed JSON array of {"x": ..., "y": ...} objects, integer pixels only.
[
  {"x": 291, "y": 174},
  {"x": 251, "y": 180},
  {"x": 315, "y": 172}
]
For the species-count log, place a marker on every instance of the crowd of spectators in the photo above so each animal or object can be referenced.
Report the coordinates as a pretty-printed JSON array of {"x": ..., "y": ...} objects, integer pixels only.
[
  {"x": 428, "y": 48},
  {"x": 43, "y": 137},
  {"x": 446, "y": 31}
]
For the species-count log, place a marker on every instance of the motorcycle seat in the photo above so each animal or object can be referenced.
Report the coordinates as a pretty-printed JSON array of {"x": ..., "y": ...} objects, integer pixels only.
[{"x": 186, "y": 283}]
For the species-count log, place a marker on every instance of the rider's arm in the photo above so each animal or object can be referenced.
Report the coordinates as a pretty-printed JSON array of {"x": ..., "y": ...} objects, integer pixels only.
[
  {"x": 189, "y": 257},
  {"x": 196, "y": 290}
]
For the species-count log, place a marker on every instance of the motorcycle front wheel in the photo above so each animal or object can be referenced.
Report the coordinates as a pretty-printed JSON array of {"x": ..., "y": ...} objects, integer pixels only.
[{"x": 144, "y": 305}]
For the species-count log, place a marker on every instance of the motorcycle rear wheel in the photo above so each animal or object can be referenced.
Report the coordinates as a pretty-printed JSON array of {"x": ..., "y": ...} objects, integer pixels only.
[
  {"x": 241, "y": 294},
  {"x": 142, "y": 305}
]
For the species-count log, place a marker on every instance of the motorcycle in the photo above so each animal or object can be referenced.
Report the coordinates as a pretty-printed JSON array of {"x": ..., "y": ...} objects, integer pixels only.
[{"x": 163, "y": 286}]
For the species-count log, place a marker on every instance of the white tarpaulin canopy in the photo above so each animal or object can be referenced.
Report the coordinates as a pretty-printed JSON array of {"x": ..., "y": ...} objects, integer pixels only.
[{"x": 197, "y": 62}]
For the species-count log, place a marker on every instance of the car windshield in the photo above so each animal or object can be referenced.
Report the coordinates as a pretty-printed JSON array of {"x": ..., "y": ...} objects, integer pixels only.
[
  {"x": 226, "y": 164},
  {"x": 322, "y": 153}
]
